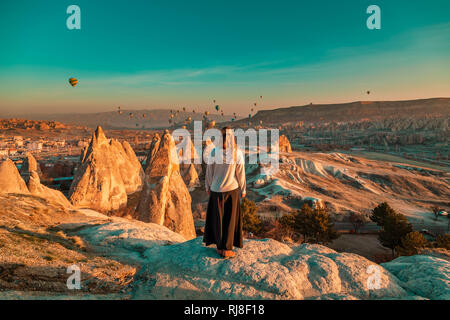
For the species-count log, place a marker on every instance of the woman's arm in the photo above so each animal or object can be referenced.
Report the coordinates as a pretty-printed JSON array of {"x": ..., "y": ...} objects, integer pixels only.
[
  {"x": 209, "y": 176},
  {"x": 240, "y": 173}
]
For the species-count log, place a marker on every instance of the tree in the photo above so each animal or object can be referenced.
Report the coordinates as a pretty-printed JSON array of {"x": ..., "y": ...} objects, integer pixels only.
[
  {"x": 395, "y": 227},
  {"x": 315, "y": 225},
  {"x": 380, "y": 212},
  {"x": 251, "y": 221},
  {"x": 436, "y": 210},
  {"x": 411, "y": 244},
  {"x": 357, "y": 220},
  {"x": 443, "y": 241}
]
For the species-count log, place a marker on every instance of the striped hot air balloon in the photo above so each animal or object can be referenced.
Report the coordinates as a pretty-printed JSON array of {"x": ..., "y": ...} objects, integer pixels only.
[{"x": 73, "y": 82}]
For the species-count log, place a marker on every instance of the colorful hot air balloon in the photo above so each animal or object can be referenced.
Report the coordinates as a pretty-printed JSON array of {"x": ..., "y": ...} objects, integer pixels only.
[
  {"x": 73, "y": 82},
  {"x": 217, "y": 107},
  {"x": 249, "y": 116},
  {"x": 206, "y": 113}
]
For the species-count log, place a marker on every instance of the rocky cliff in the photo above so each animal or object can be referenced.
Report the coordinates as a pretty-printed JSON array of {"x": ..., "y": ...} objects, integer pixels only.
[
  {"x": 165, "y": 199},
  {"x": 107, "y": 174}
]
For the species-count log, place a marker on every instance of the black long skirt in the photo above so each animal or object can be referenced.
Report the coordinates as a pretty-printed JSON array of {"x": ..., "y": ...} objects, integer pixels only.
[{"x": 223, "y": 225}]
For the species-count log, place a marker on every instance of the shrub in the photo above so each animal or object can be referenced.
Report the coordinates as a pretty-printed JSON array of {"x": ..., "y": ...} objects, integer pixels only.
[
  {"x": 251, "y": 221},
  {"x": 357, "y": 221},
  {"x": 443, "y": 241},
  {"x": 315, "y": 225},
  {"x": 411, "y": 244}
]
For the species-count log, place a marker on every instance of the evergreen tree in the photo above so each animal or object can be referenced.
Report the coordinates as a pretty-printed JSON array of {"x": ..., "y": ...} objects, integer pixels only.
[
  {"x": 250, "y": 219},
  {"x": 395, "y": 226},
  {"x": 380, "y": 212},
  {"x": 315, "y": 225}
]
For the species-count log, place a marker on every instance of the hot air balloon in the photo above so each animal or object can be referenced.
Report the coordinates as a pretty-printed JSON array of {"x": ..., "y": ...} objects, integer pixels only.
[
  {"x": 368, "y": 92},
  {"x": 193, "y": 110},
  {"x": 212, "y": 123},
  {"x": 183, "y": 127},
  {"x": 214, "y": 101},
  {"x": 249, "y": 116},
  {"x": 254, "y": 104},
  {"x": 206, "y": 113},
  {"x": 170, "y": 120},
  {"x": 144, "y": 115},
  {"x": 130, "y": 115},
  {"x": 184, "y": 109},
  {"x": 189, "y": 119},
  {"x": 260, "y": 97},
  {"x": 73, "y": 82},
  {"x": 171, "y": 116},
  {"x": 252, "y": 109},
  {"x": 232, "y": 119},
  {"x": 217, "y": 108}
]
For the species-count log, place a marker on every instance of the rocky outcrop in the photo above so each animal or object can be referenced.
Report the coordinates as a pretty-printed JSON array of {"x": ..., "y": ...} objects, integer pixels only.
[
  {"x": 129, "y": 166},
  {"x": 29, "y": 165},
  {"x": 425, "y": 275},
  {"x": 267, "y": 269},
  {"x": 31, "y": 171},
  {"x": 284, "y": 144},
  {"x": 190, "y": 177},
  {"x": 107, "y": 174},
  {"x": 165, "y": 199},
  {"x": 10, "y": 179}
]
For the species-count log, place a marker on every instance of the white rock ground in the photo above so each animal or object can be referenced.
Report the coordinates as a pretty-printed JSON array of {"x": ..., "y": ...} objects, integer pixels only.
[{"x": 172, "y": 268}]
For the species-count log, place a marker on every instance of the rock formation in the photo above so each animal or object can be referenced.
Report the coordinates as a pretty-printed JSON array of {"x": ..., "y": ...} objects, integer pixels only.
[
  {"x": 29, "y": 165},
  {"x": 10, "y": 179},
  {"x": 165, "y": 199},
  {"x": 107, "y": 173},
  {"x": 190, "y": 177},
  {"x": 30, "y": 170},
  {"x": 268, "y": 269},
  {"x": 188, "y": 163},
  {"x": 284, "y": 144}
]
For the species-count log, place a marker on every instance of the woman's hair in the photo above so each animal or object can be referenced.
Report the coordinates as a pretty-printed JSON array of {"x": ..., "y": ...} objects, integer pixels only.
[
  {"x": 226, "y": 144},
  {"x": 224, "y": 136}
]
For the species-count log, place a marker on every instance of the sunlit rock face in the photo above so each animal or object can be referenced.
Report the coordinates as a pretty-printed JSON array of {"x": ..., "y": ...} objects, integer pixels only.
[
  {"x": 29, "y": 165},
  {"x": 31, "y": 171},
  {"x": 10, "y": 179},
  {"x": 284, "y": 144},
  {"x": 165, "y": 199},
  {"x": 108, "y": 172}
]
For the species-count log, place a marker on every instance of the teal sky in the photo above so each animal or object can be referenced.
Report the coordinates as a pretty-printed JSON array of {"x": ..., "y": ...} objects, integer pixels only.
[{"x": 171, "y": 54}]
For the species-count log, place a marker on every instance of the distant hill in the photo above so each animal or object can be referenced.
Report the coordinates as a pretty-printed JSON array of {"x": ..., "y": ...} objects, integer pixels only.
[
  {"x": 139, "y": 119},
  {"x": 354, "y": 111}
]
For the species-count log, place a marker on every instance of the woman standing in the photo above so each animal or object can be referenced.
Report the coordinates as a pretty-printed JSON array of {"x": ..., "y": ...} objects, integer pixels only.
[{"x": 224, "y": 180}]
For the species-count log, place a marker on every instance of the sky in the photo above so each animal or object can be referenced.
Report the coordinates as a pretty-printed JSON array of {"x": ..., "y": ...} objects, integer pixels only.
[{"x": 153, "y": 54}]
